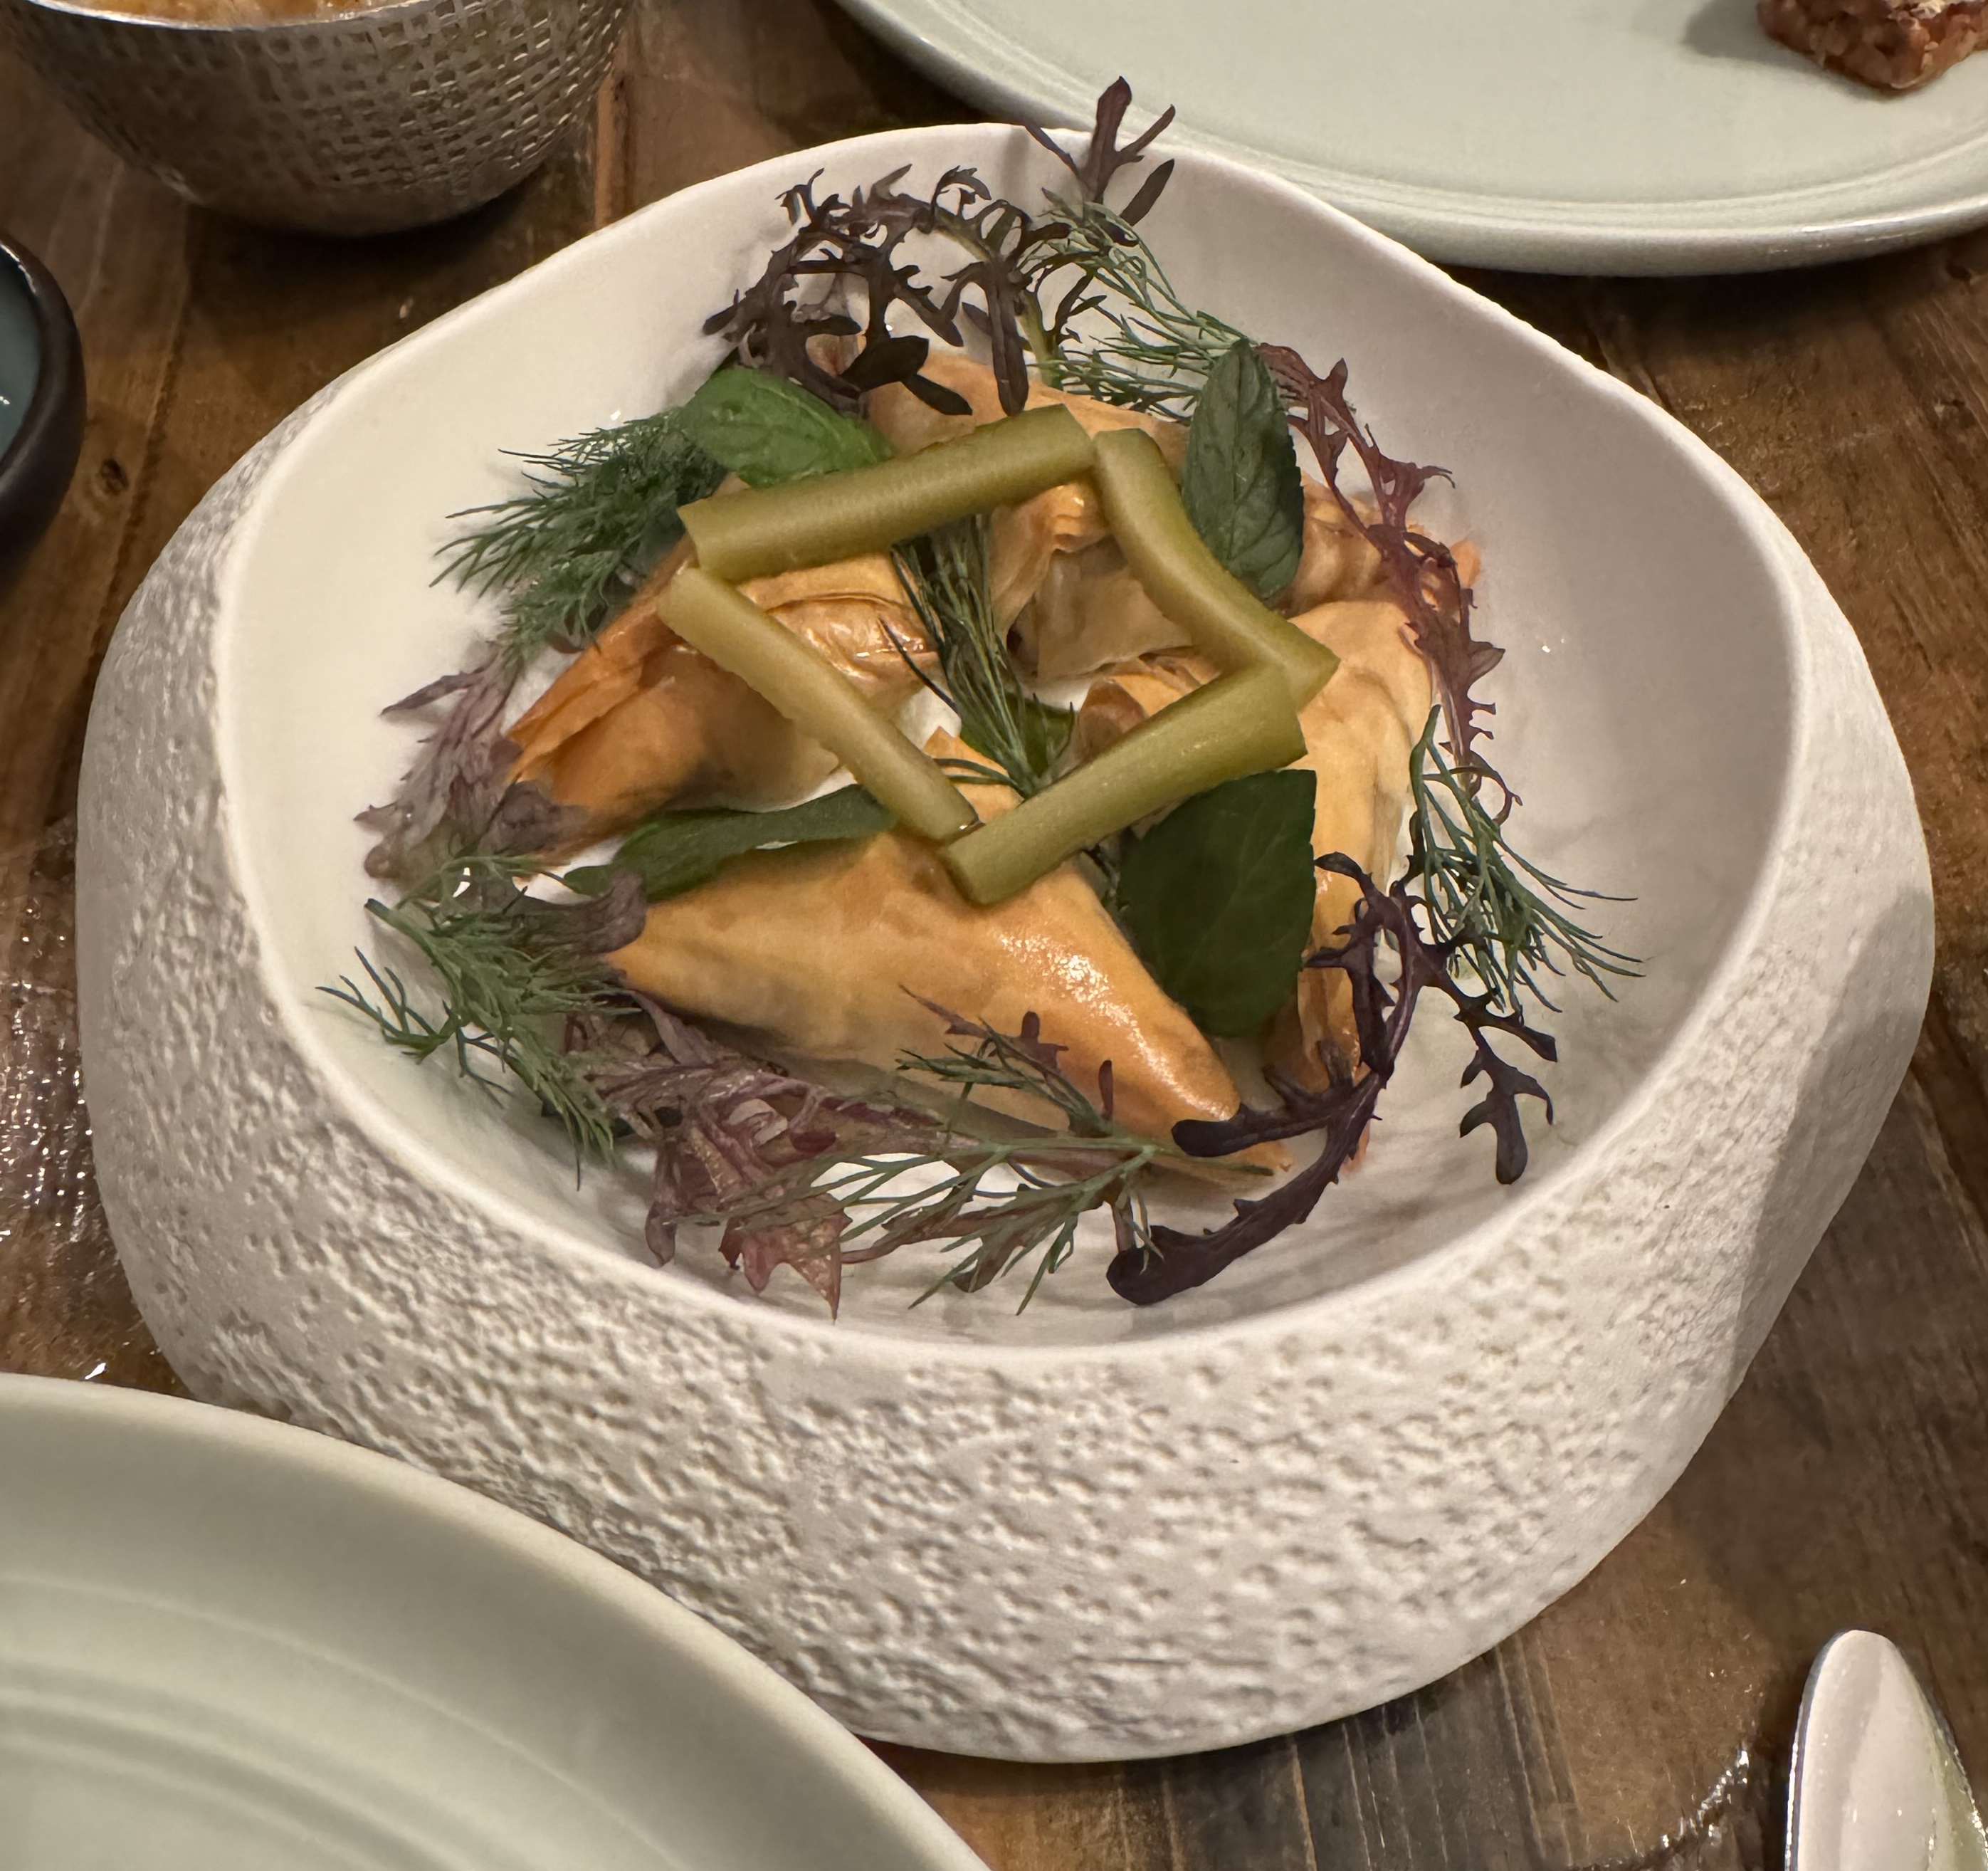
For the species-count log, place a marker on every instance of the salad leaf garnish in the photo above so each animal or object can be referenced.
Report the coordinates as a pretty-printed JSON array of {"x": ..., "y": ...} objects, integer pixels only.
[
  {"x": 775, "y": 323},
  {"x": 1103, "y": 158},
  {"x": 1241, "y": 485},
  {"x": 675, "y": 851},
  {"x": 459, "y": 791},
  {"x": 1218, "y": 898},
  {"x": 727, "y": 1130},
  {"x": 794, "y": 1175},
  {"x": 846, "y": 1183},
  {"x": 768, "y": 430},
  {"x": 1012, "y": 259},
  {"x": 1502, "y": 917}
]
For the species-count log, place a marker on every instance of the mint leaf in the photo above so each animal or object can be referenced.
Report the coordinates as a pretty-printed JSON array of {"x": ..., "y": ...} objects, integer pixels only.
[
  {"x": 675, "y": 851},
  {"x": 1217, "y": 898},
  {"x": 1241, "y": 484},
  {"x": 768, "y": 430}
]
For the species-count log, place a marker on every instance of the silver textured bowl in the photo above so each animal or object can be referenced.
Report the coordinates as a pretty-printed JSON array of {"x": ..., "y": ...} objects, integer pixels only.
[{"x": 355, "y": 124}]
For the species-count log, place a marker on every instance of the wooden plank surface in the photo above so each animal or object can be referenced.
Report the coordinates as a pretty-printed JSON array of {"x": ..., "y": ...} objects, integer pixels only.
[{"x": 1645, "y": 1719}]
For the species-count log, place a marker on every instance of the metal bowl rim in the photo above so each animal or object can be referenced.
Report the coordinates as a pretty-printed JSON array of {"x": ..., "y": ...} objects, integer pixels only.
[{"x": 357, "y": 10}]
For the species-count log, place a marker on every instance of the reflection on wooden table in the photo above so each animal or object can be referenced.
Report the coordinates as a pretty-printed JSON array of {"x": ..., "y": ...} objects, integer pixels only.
[{"x": 1645, "y": 1718}]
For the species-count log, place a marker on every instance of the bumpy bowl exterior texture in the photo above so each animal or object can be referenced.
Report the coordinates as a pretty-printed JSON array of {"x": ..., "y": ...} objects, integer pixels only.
[
  {"x": 360, "y": 124},
  {"x": 1119, "y": 1547}
]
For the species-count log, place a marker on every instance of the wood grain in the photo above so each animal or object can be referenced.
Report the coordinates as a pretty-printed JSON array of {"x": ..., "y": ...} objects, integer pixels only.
[
  {"x": 116, "y": 244},
  {"x": 1643, "y": 1719}
]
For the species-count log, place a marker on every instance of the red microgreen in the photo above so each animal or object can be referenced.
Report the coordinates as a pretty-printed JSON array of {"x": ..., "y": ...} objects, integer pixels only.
[
  {"x": 1422, "y": 571},
  {"x": 1339, "y": 1115}
]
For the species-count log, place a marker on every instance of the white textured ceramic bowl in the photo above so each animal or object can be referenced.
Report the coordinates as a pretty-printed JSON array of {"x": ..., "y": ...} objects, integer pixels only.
[
  {"x": 1364, "y": 1453},
  {"x": 229, "y": 1645}
]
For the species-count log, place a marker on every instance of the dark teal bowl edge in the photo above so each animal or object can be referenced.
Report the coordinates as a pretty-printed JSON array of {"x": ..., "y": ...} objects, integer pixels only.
[{"x": 37, "y": 466}]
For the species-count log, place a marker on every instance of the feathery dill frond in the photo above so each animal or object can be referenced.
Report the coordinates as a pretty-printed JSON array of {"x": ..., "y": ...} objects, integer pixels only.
[
  {"x": 509, "y": 979},
  {"x": 1119, "y": 332},
  {"x": 1505, "y": 918},
  {"x": 946, "y": 579},
  {"x": 601, "y": 510},
  {"x": 995, "y": 1201}
]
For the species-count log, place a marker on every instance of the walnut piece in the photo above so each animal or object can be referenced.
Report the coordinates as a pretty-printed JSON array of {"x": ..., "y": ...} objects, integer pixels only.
[{"x": 1890, "y": 44}]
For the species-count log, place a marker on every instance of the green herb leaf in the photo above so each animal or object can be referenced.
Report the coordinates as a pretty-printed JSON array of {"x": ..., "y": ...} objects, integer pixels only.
[
  {"x": 1504, "y": 918},
  {"x": 1042, "y": 733},
  {"x": 947, "y": 576},
  {"x": 1217, "y": 898},
  {"x": 601, "y": 510},
  {"x": 676, "y": 852},
  {"x": 768, "y": 430},
  {"x": 1241, "y": 483},
  {"x": 511, "y": 972}
]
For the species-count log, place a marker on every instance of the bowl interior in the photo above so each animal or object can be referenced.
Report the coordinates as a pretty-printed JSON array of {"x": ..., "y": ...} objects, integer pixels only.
[
  {"x": 1644, "y": 703},
  {"x": 20, "y": 351},
  {"x": 227, "y": 1645}
]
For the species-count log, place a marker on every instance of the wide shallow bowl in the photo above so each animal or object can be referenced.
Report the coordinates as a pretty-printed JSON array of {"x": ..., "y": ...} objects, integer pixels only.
[
  {"x": 228, "y": 1645},
  {"x": 1365, "y": 1453},
  {"x": 41, "y": 403},
  {"x": 357, "y": 124}
]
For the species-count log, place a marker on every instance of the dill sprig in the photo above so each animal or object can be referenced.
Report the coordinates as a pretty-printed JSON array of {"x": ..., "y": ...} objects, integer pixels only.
[
  {"x": 1022, "y": 1062},
  {"x": 944, "y": 1184},
  {"x": 510, "y": 981},
  {"x": 995, "y": 1232},
  {"x": 1120, "y": 333},
  {"x": 810, "y": 1177},
  {"x": 1504, "y": 917},
  {"x": 601, "y": 510},
  {"x": 946, "y": 579},
  {"x": 1095, "y": 1163}
]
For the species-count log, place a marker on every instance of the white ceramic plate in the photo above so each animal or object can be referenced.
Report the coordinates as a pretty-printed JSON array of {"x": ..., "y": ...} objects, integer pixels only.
[
  {"x": 1551, "y": 136},
  {"x": 228, "y": 1645},
  {"x": 1362, "y": 1455}
]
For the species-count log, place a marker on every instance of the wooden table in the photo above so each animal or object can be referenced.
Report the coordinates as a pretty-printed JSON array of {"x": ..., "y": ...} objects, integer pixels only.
[{"x": 1645, "y": 1719}]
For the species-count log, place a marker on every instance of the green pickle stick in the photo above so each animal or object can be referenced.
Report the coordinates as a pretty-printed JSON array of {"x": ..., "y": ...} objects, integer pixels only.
[
  {"x": 1188, "y": 585},
  {"x": 756, "y": 531},
  {"x": 812, "y": 693},
  {"x": 1241, "y": 724}
]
